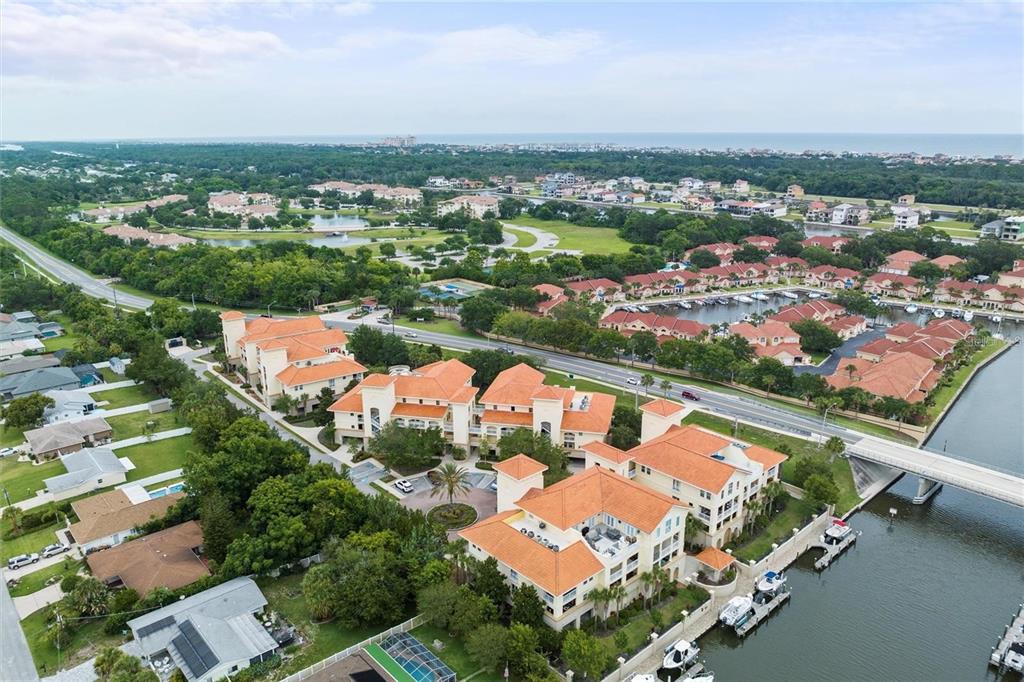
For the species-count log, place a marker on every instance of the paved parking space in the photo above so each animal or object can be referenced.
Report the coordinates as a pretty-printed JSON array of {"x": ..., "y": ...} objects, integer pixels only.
[
  {"x": 479, "y": 480},
  {"x": 420, "y": 484},
  {"x": 365, "y": 473}
]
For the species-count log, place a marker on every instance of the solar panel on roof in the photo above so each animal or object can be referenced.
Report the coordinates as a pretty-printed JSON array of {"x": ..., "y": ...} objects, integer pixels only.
[
  {"x": 194, "y": 649},
  {"x": 155, "y": 626}
]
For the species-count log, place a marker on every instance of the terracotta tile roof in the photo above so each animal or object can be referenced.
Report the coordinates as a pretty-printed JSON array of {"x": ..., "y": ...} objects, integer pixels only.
[
  {"x": 945, "y": 262},
  {"x": 556, "y": 572},
  {"x": 438, "y": 380},
  {"x": 878, "y": 347},
  {"x": 784, "y": 261},
  {"x": 508, "y": 418},
  {"x": 606, "y": 451},
  {"x": 825, "y": 242},
  {"x": 335, "y": 369},
  {"x": 662, "y": 407},
  {"x": 904, "y": 330},
  {"x": 888, "y": 280},
  {"x": 161, "y": 559},
  {"x": 594, "y": 284},
  {"x": 350, "y": 402},
  {"x": 685, "y": 453},
  {"x": 308, "y": 345},
  {"x": 597, "y": 490},
  {"x": 897, "y": 375},
  {"x": 416, "y": 410},
  {"x": 513, "y": 386},
  {"x": 597, "y": 418},
  {"x": 932, "y": 347},
  {"x": 232, "y": 315},
  {"x": 262, "y": 328},
  {"x": 378, "y": 380},
  {"x": 715, "y": 558},
  {"x": 766, "y": 457},
  {"x": 904, "y": 257},
  {"x": 770, "y": 351},
  {"x": 100, "y": 518},
  {"x": 520, "y": 467},
  {"x": 956, "y": 330}
]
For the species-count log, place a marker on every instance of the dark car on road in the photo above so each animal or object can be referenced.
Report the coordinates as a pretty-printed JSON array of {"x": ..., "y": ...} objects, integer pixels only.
[{"x": 690, "y": 395}]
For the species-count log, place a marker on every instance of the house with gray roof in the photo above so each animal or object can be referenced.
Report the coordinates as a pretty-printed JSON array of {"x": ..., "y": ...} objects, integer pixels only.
[
  {"x": 68, "y": 405},
  {"x": 87, "y": 374},
  {"x": 15, "y": 329},
  {"x": 27, "y": 364},
  {"x": 88, "y": 469},
  {"x": 24, "y": 316},
  {"x": 208, "y": 636},
  {"x": 38, "y": 381},
  {"x": 63, "y": 438},
  {"x": 13, "y": 349}
]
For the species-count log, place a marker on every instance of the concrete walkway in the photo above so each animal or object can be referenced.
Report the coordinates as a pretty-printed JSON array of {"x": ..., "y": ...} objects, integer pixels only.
[
  {"x": 155, "y": 478},
  {"x": 99, "y": 388},
  {"x": 129, "y": 409},
  {"x": 31, "y": 603},
  {"x": 140, "y": 440},
  {"x": 546, "y": 241}
]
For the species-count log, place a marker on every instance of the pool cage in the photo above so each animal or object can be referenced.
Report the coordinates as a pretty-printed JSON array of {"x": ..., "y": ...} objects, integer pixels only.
[{"x": 416, "y": 659}]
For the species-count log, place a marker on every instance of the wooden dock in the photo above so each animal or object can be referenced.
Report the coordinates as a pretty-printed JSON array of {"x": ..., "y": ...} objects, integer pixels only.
[
  {"x": 693, "y": 671},
  {"x": 1010, "y": 635},
  {"x": 761, "y": 611},
  {"x": 832, "y": 552}
]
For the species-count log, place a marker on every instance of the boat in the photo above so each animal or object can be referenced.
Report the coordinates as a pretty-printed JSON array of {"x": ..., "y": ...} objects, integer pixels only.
[
  {"x": 644, "y": 678},
  {"x": 680, "y": 655},
  {"x": 700, "y": 302},
  {"x": 685, "y": 305},
  {"x": 997, "y": 319},
  {"x": 744, "y": 299},
  {"x": 968, "y": 316},
  {"x": 722, "y": 301},
  {"x": 703, "y": 677},
  {"x": 813, "y": 294},
  {"x": 735, "y": 609},
  {"x": 771, "y": 581},
  {"x": 938, "y": 313},
  {"x": 789, "y": 294},
  {"x": 758, "y": 296},
  {"x": 644, "y": 309},
  {"x": 748, "y": 318},
  {"x": 836, "y": 533},
  {"x": 911, "y": 309},
  {"x": 957, "y": 313}
]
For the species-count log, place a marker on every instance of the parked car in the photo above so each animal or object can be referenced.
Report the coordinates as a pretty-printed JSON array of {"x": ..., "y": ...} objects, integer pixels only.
[
  {"x": 6, "y": 452},
  {"x": 690, "y": 395},
  {"x": 633, "y": 381},
  {"x": 403, "y": 486},
  {"x": 493, "y": 487},
  {"x": 16, "y": 562},
  {"x": 55, "y": 549}
]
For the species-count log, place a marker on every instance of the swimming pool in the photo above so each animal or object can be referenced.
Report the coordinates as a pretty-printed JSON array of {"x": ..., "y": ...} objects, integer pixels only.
[{"x": 161, "y": 492}]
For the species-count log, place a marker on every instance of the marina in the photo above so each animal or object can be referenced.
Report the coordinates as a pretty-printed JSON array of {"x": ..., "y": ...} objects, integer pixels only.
[
  {"x": 1008, "y": 653},
  {"x": 760, "y": 612},
  {"x": 836, "y": 540}
]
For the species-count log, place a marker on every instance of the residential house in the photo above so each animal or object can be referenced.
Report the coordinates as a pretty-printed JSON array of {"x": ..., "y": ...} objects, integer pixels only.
[
  {"x": 518, "y": 398},
  {"x": 23, "y": 329},
  {"x": 555, "y": 297},
  {"x": 38, "y": 381},
  {"x": 900, "y": 262},
  {"x": 818, "y": 212},
  {"x": 723, "y": 250},
  {"x": 476, "y": 205},
  {"x": 988, "y": 296},
  {"x": 894, "y": 286},
  {"x": 737, "y": 275},
  {"x": 773, "y": 209},
  {"x": 170, "y": 558},
  {"x": 831, "y": 277},
  {"x": 833, "y": 244},
  {"x": 1013, "y": 278},
  {"x": 128, "y": 234},
  {"x": 850, "y": 214},
  {"x": 208, "y": 636},
  {"x": 903, "y": 332},
  {"x": 88, "y": 469},
  {"x": 110, "y": 518},
  {"x": 874, "y": 350},
  {"x": 848, "y": 326},
  {"x": 954, "y": 330},
  {"x": 741, "y": 187},
  {"x": 14, "y": 349},
  {"x": 946, "y": 262},
  {"x": 786, "y": 266},
  {"x": 341, "y": 187},
  {"x": 88, "y": 374},
  {"x": 28, "y": 364},
  {"x": 289, "y": 357},
  {"x": 737, "y": 207},
  {"x": 63, "y": 438},
  {"x": 761, "y": 241},
  {"x": 600, "y": 289},
  {"x": 906, "y": 219},
  {"x": 663, "y": 283},
  {"x": 822, "y": 311},
  {"x": 595, "y": 529},
  {"x": 906, "y": 376},
  {"x": 715, "y": 477},
  {"x": 772, "y": 339},
  {"x": 68, "y": 406},
  {"x": 906, "y": 200},
  {"x": 663, "y": 326},
  {"x": 1007, "y": 229},
  {"x": 103, "y": 214},
  {"x": 795, "y": 192}
]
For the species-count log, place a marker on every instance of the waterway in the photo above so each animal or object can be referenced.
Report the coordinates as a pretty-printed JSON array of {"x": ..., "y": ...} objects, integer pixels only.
[
  {"x": 344, "y": 224},
  {"x": 923, "y": 598}
]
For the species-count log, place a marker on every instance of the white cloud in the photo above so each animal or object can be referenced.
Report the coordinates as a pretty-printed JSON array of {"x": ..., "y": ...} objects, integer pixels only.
[
  {"x": 352, "y": 9},
  {"x": 115, "y": 42}
]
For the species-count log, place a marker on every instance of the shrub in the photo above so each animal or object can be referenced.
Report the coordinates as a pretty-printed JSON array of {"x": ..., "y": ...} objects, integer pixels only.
[{"x": 69, "y": 583}]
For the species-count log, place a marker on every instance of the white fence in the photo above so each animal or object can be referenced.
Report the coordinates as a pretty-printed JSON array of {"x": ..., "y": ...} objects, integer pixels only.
[
  {"x": 788, "y": 551},
  {"x": 413, "y": 622}
]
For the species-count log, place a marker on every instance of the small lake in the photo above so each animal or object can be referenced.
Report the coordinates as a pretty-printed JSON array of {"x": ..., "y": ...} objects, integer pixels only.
[
  {"x": 331, "y": 241},
  {"x": 336, "y": 221}
]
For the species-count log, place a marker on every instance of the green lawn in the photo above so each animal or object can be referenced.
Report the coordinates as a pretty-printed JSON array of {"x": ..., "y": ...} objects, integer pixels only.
[
  {"x": 284, "y": 595},
  {"x": 10, "y": 437},
  {"x": 523, "y": 239},
  {"x": 87, "y": 640},
  {"x": 30, "y": 542},
  {"x": 621, "y": 397},
  {"x": 123, "y": 397},
  {"x": 638, "y": 628},
  {"x": 454, "y": 653},
  {"x": 848, "y": 497},
  {"x": 157, "y": 456},
  {"x": 33, "y": 582},
  {"x": 109, "y": 376},
  {"x": 23, "y": 479},
  {"x": 602, "y": 240},
  {"x": 59, "y": 342},
  {"x": 942, "y": 396},
  {"x": 131, "y": 425},
  {"x": 438, "y": 326},
  {"x": 795, "y": 515}
]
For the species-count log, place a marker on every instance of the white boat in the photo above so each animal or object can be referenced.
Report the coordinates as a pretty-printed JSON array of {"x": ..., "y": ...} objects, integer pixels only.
[
  {"x": 736, "y": 609},
  {"x": 758, "y": 296},
  {"x": 997, "y": 319},
  {"x": 771, "y": 581},
  {"x": 836, "y": 533},
  {"x": 685, "y": 305},
  {"x": 938, "y": 313},
  {"x": 957, "y": 313},
  {"x": 681, "y": 655},
  {"x": 744, "y": 299},
  {"x": 789, "y": 294},
  {"x": 968, "y": 316},
  {"x": 644, "y": 309},
  {"x": 911, "y": 309},
  {"x": 814, "y": 294},
  {"x": 700, "y": 302},
  {"x": 644, "y": 678}
]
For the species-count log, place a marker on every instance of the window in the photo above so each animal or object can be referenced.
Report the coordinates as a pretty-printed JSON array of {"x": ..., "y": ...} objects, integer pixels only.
[
  {"x": 513, "y": 575},
  {"x": 676, "y": 485},
  {"x": 545, "y": 429}
]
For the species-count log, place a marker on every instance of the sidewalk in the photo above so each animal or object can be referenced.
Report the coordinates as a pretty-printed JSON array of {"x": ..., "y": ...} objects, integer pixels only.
[
  {"x": 31, "y": 603},
  {"x": 140, "y": 440},
  {"x": 118, "y": 411},
  {"x": 97, "y": 388}
]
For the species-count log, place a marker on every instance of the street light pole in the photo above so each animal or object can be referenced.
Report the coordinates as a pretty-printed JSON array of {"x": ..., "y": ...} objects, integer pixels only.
[{"x": 268, "y": 307}]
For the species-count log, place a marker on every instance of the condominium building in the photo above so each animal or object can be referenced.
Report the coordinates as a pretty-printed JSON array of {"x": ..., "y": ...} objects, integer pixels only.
[
  {"x": 713, "y": 476},
  {"x": 595, "y": 529},
  {"x": 476, "y": 205},
  {"x": 293, "y": 357}
]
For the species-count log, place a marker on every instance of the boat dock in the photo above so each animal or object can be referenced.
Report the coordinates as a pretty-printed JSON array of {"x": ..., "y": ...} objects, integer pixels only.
[
  {"x": 693, "y": 671},
  {"x": 832, "y": 552},
  {"x": 1014, "y": 632},
  {"x": 761, "y": 611}
]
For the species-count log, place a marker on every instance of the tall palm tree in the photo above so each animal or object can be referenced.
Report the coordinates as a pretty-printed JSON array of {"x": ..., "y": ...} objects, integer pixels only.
[
  {"x": 452, "y": 480},
  {"x": 618, "y": 593},
  {"x": 601, "y": 597},
  {"x": 647, "y": 380},
  {"x": 666, "y": 386},
  {"x": 834, "y": 446},
  {"x": 648, "y": 580}
]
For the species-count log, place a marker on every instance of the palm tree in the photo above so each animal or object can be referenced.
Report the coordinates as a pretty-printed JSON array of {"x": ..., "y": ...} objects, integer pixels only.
[
  {"x": 452, "y": 480},
  {"x": 661, "y": 581},
  {"x": 851, "y": 369},
  {"x": 666, "y": 386},
  {"x": 768, "y": 382},
  {"x": 754, "y": 509},
  {"x": 601, "y": 598},
  {"x": 618, "y": 593},
  {"x": 834, "y": 446},
  {"x": 460, "y": 557},
  {"x": 648, "y": 579},
  {"x": 771, "y": 492},
  {"x": 647, "y": 380},
  {"x": 13, "y": 515}
]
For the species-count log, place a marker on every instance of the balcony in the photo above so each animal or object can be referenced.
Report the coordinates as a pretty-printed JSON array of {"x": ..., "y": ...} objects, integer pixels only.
[{"x": 607, "y": 541}]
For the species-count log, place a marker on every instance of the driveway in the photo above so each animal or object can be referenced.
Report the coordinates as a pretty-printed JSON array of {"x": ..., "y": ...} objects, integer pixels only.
[
  {"x": 484, "y": 501},
  {"x": 847, "y": 350},
  {"x": 365, "y": 473}
]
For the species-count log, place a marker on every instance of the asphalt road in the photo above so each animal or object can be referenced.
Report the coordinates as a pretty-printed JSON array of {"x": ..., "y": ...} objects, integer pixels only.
[{"x": 66, "y": 272}]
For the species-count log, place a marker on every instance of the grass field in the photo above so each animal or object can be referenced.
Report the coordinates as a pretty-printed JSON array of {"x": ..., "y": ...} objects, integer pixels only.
[
  {"x": 454, "y": 654},
  {"x": 23, "y": 479},
  {"x": 56, "y": 343},
  {"x": 438, "y": 326},
  {"x": 602, "y": 240},
  {"x": 621, "y": 397},
  {"x": 638, "y": 628},
  {"x": 942, "y": 396},
  {"x": 123, "y": 397},
  {"x": 87, "y": 640},
  {"x": 33, "y": 582},
  {"x": 157, "y": 456},
  {"x": 524, "y": 240},
  {"x": 848, "y": 497},
  {"x": 11, "y": 436},
  {"x": 30, "y": 542},
  {"x": 780, "y": 528},
  {"x": 131, "y": 425}
]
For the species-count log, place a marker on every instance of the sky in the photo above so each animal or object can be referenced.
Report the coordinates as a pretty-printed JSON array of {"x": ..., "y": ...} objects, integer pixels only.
[{"x": 110, "y": 70}]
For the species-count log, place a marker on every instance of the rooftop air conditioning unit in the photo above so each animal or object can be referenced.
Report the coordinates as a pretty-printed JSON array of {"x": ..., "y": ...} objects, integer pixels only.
[{"x": 543, "y": 525}]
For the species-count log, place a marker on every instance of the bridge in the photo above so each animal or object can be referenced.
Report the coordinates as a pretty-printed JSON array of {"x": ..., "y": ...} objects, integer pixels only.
[{"x": 936, "y": 470}]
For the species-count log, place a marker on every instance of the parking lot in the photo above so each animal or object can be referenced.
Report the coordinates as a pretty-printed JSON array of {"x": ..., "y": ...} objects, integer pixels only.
[{"x": 365, "y": 473}]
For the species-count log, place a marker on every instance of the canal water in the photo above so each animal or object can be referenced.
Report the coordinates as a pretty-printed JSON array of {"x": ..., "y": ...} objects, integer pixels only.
[{"x": 923, "y": 598}]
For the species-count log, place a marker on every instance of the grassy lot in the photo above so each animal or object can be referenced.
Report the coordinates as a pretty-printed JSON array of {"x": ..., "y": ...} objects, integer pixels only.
[
  {"x": 87, "y": 640},
  {"x": 123, "y": 397},
  {"x": 109, "y": 376},
  {"x": 10, "y": 437},
  {"x": 621, "y": 397},
  {"x": 638, "y": 629},
  {"x": 33, "y": 582},
  {"x": 848, "y": 497},
  {"x": 131, "y": 425},
  {"x": 601, "y": 240},
  {"x": 523, "y": 239},
  {"x": 942, "y": 396},
  {"x": 30, "y": 542},
  {"x": 454, "y": 653},
  {"x": 438, "y": 326},
  {"x": 157, "y": 456},
  {"x": 56, "y": 343},
  {"x": 397, "y": 233},
  {"x": 23, "y": 479},
  {"x": 796, "y": 513},
  {"x": 284, "y": 595}
]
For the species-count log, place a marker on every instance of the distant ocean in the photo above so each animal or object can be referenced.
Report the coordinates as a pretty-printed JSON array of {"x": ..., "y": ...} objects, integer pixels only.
[{"x": 965, "y": 145}]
